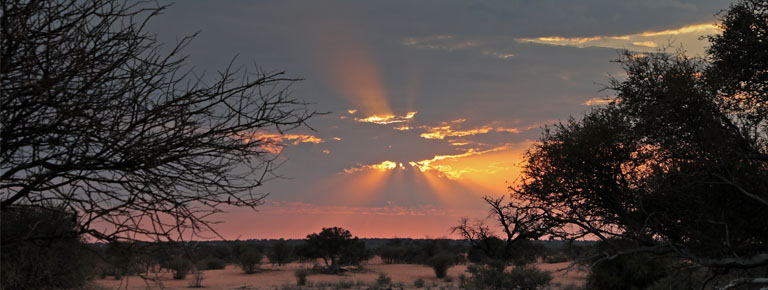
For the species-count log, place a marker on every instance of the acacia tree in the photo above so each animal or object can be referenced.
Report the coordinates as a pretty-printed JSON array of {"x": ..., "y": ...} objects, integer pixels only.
[
  {"x": 335, "y": 246},
  {"x": 99, "y": 118},
  {"x": 678, "y": 164},
  {"x": 520, "y": 224}
]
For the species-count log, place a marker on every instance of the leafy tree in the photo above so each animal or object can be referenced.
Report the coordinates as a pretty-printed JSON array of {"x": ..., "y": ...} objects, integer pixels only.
[
  {"x": 334, "y": 245},
  {"x": 96, "y": 116},
  {"x": 280, "y": 253},
  {"x": 250, "y": 260},
  {"x": 41, "y": 249},
  {"x": 678, "y": 163}
]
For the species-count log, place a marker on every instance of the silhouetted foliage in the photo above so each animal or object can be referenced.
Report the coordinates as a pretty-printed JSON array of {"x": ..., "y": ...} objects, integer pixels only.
[
  {"x": 494, "y": 275},
  {"x": 180, "y": 267},
  {"x": 41, "y": 249},
  {"x": 97, "y": 118},
  {"x": 301, "y": 276},
  {"x": 440, "y": 264},
  {"x": 336, "y": 247},
  {"x": 212, "y": 263},
  {"x": 280, "y": 253},
  {"x": 631, "y": 271},
  {"x": 520, "y": 224},
  {"x": 250, "y": 260},
  {"x": 678, "y": 164}
]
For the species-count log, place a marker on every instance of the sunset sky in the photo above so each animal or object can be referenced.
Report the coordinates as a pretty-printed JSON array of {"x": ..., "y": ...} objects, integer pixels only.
[{"x": 432, "y": 103}]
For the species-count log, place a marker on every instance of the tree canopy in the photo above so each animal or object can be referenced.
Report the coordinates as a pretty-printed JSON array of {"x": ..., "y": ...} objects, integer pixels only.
[
  {"x": 101, "y": 119},
  {"x": 677, "y": 163}
]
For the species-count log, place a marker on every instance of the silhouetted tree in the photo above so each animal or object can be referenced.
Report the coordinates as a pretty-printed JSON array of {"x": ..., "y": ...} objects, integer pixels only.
[
  {"x": 678, "y": 164},
  {"x": 40, "y": 248},
  {"x": 280, "y": 253},
  {"x": 332, "y": 244},
  {"x": 250, "y": 260},
  {"x": 98, "y": 118},
  {"x": 520, "y": 223}
]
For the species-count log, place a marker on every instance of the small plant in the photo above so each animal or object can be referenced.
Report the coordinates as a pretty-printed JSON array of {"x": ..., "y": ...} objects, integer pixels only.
[
  {"x": 197, "y": 278},
  {"x": 419, "y": 283},
  {"x": 463, "y": 281},
  {"x": 440, "y": 264},
  {"x": 301, "y": 276},
  {"x": 448, "y": 279},
  {"x": 383, "y": 279},
  {"x": 180, "y": 267}
]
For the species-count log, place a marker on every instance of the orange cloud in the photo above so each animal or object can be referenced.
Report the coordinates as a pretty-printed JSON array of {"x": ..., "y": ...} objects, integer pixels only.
[
  {"x": 687, "y": 36},
  {"x": 697, "y": 28},
  {"x": 387, "y": 119},
  {"x": 598, "y": 101},
  {"x": 442, "y": 132},
  {"x": 645, "y": 43},
  {"x": 383, "y": 166},
  {"x": 448, "y": 171},
  {"x": 274, "y": 143}
]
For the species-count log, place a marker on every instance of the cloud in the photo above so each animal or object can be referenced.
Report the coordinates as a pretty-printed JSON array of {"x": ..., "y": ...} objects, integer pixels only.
[
  {"x": 598, "y": 101},
  {"x": 447, "y": 130},
  {"x": 293, "y": 139},
  {"x": 391, "y": 209},
  {"x": 452, "y": 43},
  {"x": 383, "y": 166},
  {"x": 687, "y": 36},
  {"x": 274, "y": 143},
  {"x": 386, "y": 119},
  {"x": 448, "y": 171},
  {"x": 440, "y": 42}
]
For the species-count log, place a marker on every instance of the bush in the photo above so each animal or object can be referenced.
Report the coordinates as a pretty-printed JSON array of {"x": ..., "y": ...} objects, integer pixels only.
[
  {"x": 42, "y": 250},
  {"x": 440, "y": 264},
  {"x": 212, "y": 263},
  {"x": 250, "y": 261},
  {"x": 180, "y": 267},
  {"x": 419, "y": 283},
  {"x": 301, "y": 276},
  {"x": 637, "y": 271},
  {"x": 494, "y": 276},
  {"x": 383, "y": 279}
]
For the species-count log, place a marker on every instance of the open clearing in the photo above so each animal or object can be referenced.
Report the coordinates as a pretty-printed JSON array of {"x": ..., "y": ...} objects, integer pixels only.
[{"x": 403, "y": 275}]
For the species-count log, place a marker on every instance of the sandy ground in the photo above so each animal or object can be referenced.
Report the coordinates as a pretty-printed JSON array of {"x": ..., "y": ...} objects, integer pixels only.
[{"x": 276, "y": 278}]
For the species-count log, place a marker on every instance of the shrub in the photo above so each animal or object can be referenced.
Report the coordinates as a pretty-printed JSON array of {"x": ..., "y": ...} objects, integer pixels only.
[
  {"x": 42, "y": 250},
  {"x": 494, "y": 276},
  {"x": 212, "y": 263},
  {"x": 197, "y": 278},
  {"x": 637, "y": 271},
  {"x": 250, "y": 261},
  {"x": 383, "y": 279},
  {"x": 440, "y": 264},
  {"x": 180, "y": 267},
  {"x": 419, "y": 283},
  {"x": 301, "y": 276}
]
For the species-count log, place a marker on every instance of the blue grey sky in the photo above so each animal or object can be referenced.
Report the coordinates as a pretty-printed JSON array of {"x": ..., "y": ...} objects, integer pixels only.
[{"x": 481, "y": 76}]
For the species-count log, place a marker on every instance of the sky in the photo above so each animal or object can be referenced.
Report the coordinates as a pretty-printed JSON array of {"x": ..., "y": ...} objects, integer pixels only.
[{"x": 431, "y": 104}]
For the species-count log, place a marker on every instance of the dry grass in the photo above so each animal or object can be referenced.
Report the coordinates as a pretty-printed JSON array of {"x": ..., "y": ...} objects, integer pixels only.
[{"x": 403, "y": 275}]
